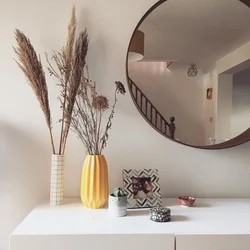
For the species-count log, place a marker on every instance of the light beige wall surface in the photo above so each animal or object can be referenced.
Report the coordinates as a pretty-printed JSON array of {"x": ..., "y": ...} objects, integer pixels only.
[
  {"x": 224, "y": 107},
  {"x": 210, "y": 105},
  {"x": 24, "y": 142},
  {"x": 241, "y": 102}
]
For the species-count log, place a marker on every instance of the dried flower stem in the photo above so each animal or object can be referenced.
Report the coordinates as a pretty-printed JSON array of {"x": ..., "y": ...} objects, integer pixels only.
[
  {"x": 105, "y": 136},
  {"x": 87, "y": 118}
]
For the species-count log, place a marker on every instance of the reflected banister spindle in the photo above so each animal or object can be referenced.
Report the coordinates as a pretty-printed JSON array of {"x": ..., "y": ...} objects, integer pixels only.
[
  {"x": 172, "y": 127},
  {"x": 151, "y": 113},
  {"x": 156, "y": 116},
  {"x": 130, "y": 83}
]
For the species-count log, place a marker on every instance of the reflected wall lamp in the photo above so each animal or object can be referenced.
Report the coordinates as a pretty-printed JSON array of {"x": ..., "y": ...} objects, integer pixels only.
[
  {"x": 192, "y": 71},
  {"x": 136, "y": 49}
]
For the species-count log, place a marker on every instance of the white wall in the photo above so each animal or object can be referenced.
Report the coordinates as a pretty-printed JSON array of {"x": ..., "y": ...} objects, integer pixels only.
[
  {"x": 224, "y": 107},
  {"x": 23, "y": 176},
  {"x": 210, "y": 105},
  {"x": 217, "y": 74},
  {"x": 236, "y": 57},
  {"x": 133, "y": 143},
  {"x": 174, "y": 94},
  {"x": 240, "y": 102}
]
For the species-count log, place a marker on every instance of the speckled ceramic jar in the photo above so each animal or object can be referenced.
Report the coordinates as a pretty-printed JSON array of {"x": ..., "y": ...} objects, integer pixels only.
[
  {"x": 118, "y": 206},
  {"x": 160, "y": 214}
]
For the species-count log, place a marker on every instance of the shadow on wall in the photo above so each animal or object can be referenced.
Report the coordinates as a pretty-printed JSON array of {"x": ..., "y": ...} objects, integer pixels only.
[{"x": 23, "y": 179}]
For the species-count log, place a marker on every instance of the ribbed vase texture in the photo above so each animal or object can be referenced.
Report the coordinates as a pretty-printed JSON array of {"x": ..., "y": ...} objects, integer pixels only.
[
  {"x": 57, "y": 180},
  {"x": 94, "y": 184}
]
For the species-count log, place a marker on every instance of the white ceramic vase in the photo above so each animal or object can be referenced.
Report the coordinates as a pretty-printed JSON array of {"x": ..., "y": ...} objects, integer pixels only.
[
  {"x": 117, "y": 205},
  {"x": 57, "y": 180}
]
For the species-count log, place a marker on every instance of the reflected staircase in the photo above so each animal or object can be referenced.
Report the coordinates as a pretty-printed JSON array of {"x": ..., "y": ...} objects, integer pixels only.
[{"x": 150, "y": 112}]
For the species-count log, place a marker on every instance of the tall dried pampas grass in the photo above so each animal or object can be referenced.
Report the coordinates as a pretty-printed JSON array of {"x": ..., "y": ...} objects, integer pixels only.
[
  {"x": 69, "y": 70},
  {"x": 32, "y": 68}
]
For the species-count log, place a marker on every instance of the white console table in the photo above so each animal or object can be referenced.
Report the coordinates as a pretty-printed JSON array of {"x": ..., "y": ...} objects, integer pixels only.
[{"x": 212, "y": 224}]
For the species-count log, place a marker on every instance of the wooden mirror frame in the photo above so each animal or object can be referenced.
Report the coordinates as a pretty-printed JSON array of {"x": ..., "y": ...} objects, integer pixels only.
[{"x": 236, "y": 141}]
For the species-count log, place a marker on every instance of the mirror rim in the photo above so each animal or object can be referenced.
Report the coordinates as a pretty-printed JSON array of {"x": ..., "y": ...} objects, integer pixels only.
[{"x": 236, "y": 141}]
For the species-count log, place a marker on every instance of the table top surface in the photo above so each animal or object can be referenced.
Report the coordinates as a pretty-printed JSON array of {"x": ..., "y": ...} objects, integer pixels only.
[{"x": 208, "y": 216}]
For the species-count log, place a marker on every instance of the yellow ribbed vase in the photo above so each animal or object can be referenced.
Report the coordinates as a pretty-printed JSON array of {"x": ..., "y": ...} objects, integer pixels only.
[{"x": 94, "y": 183}]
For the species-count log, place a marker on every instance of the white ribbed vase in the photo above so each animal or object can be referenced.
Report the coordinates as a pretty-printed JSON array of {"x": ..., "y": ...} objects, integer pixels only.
[{"x": 57, "y": 180}]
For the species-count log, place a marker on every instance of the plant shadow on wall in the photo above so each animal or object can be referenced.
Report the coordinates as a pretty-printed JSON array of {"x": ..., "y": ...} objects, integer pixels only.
[{"x": 82, "y": 109}]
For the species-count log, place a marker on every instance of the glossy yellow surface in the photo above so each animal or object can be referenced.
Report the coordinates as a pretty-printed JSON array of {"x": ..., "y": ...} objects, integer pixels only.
[{"x": 94, "y": 183}]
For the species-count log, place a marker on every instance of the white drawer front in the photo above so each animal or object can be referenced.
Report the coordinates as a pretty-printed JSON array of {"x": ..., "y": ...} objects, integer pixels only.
[
  {"x": 212, "y": 242},
  {"x": 92, "y": 242}
]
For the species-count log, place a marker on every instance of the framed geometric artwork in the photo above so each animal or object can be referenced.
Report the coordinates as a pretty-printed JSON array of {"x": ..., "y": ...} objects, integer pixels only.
[{"x": 142, "y": 188}]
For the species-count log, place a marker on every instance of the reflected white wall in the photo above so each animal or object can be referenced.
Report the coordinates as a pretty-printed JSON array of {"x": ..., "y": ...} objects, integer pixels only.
[
  {"x": 240, "y": 120},
  {"x": 224, "y": 107}
]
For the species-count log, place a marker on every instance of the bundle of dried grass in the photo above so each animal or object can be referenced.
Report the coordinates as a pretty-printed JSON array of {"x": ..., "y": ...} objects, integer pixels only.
[
  {"x": 69, "y": 67},
  {"x": 79, "y": 62},
  {"x": 32, "y": 68}
]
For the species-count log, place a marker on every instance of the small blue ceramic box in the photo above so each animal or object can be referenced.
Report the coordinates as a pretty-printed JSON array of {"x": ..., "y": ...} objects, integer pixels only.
[{"x": 160, "y": 214}]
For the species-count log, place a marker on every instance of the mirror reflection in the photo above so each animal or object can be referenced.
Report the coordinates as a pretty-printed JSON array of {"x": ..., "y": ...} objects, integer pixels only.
[{"x": 190, "y": 70}]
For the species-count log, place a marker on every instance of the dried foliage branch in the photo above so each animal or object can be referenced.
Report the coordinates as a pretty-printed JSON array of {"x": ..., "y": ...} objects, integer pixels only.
[
  {"x": 104, "y": 139},
  {"x": 79, "y": 62},
  {"x": 68, "y": 69},
  {"x": 88, "y": 115},
  {"x": 67, "y": 66},
  {"x": 70, "y": 63},
  {"x": 32, "y": 68}
]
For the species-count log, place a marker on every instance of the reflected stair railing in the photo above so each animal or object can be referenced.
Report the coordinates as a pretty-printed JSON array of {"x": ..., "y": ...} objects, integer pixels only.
[{"x": 150, "y": 112}]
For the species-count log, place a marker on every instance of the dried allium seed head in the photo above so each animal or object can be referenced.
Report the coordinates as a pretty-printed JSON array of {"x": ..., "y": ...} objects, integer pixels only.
[
  {"x": 101, "y": 103},
  {"x": 120, "y": 87}
]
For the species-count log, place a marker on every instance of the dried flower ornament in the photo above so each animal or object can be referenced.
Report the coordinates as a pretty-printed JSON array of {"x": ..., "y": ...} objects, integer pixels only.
[
  {"x": 88, "y": 116},
  {"x": 120, "y": 88},
  {"x": 101, "y": 103}
]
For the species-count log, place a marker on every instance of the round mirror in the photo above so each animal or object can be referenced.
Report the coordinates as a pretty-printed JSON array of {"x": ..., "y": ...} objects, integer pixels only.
[{"x": 188, "y": 69}]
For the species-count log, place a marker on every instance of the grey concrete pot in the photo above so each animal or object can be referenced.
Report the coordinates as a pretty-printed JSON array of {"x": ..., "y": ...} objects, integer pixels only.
[{"x": 117, "y": 205}]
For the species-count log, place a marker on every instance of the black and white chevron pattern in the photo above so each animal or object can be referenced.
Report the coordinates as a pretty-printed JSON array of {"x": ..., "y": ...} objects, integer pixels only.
[{"x": 128, "y": 174}]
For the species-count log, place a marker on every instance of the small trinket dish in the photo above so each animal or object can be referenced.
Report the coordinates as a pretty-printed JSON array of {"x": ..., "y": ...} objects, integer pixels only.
[
  {"x": 186, "y": 201},
  {"x": 160, "y": 214}
]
